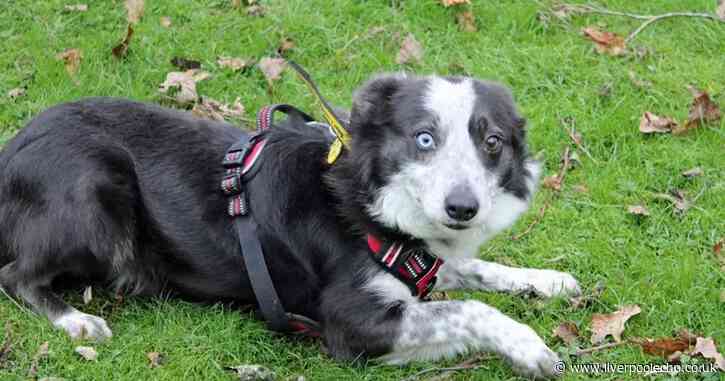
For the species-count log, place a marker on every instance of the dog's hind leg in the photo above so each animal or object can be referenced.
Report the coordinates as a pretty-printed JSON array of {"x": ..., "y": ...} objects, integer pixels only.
[
  {"x": 475, "y": 274},
  {"x": 435, "y": 330}
]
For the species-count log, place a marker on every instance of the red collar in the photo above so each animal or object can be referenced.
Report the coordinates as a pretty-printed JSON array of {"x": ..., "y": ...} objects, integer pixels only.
[{"x": 409, "y": 262}]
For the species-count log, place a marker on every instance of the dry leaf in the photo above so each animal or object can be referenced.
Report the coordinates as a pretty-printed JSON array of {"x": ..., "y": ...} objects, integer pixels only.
[
  {"x": 678, "y": 198},
  {"x": 552, "y": 182},
  {"x": 638, "y": 210},
  {"x": 120, "y": 50},
  {"x": 185, "y": 63},
  {"x": 155, "y": 359},
  {"x": 651, "y": 123},
  {"x": 694, "y": 172},
  {"x": 664, "y": 347},
  {"x": 272, "y": 68},
  {"x": 580, "y": 188},
  {"x": 564, "y": 11},
  {"x": 605, "y": 42},
  {"x": 702, "y": 110},
  {"x": 720, "y": 11},
  {"x": 165, "y": 21},
  {"x": 467, "y": 21},
  {"x": 87, "y": 295},
  {"x": 16, "y": 92},
  {"x": 134, "y": 9},
  {"x": 76, "y": 7},
  {"x": 253, "y": 372},
  {"x": 40, "y": 355},
  {"x": 211, "y": 109},
  {"x": 87, "y": 353},
  {"x": 604, "y": 325},
  {"x": 717, "y": 248},
  {"x": 285, "y": 45},
  {"x": 586, "y": 300},
  {"x": 236, "y": 64},
  {"x": 567, "y": 332},
  {"x": 72, "y": 60},
  {"x": 448, "y": 3},
  {"x": 256, "y": 10},
  {"x": 410, "y": 50},
  {"x": 183, "y": 85},
  {"x": 706, "y": 348}
]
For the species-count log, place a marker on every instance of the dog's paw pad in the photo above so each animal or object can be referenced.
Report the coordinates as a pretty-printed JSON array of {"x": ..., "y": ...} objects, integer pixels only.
[
  {"x": 533, "y": 359},
  {"x": 79, "y": 325}
]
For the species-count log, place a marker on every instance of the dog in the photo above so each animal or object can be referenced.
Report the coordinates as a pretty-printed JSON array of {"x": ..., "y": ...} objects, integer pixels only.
[{"x": 123, "y": 194}]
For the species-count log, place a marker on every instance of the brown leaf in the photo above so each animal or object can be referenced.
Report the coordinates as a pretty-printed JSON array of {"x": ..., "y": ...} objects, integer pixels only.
[
  {"x": 678, "y": 198},
  {"x": 720, "y": 11},
  {"x": 165, "y": 21},
  {"x": 120, "y": 50},
  {"x": 581, "y": 188},
  {"x": 410, "y": 50},
  {"x": 285, "y": 45},
  {"x": 564, "y": 11},
  {"x": 16, "y": 92},
  {"x": 586, "y": 300},
  {"x": 87, "y": 295},
  {"x": 76, "y": 7},
  {"x": 664, "y": 347},
  {"x": 651, "y": 123},
  {"x": 706, "y": 347},
  {"x": 552, "y": 182},
  {"x": 87, "y": 353},
  {"x": 694, "y": 172},
  {"x": 449, "y": 3},
  {"x": 183, "y": 85},
  {"x": 256, "y": 10},
  {"x": 605, "y": 42},
  {"x": 272, "y": 68},
  {"x": 185, "y": 63},
  {"x": 638, "y": 210},
  {"x": 466, "y": 21},
  {"x": 236, "y": 64},
  {"x": 567, "y": 332},
  {"x": 40, "y": 355},
  {"x": 717, "y": 248},
  {"x": 155, "y": 359},
  {"x": 134, "y": 9},
  {"x": 72, "y": 60},
  {"x": 604, "y": 325},
  {"x": 702, "y": 110},
  {"x": 211, "y": 109}
]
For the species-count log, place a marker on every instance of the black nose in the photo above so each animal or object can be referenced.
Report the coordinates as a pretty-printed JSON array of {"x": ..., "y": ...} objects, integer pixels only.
[{"x": 461, "y": 204}]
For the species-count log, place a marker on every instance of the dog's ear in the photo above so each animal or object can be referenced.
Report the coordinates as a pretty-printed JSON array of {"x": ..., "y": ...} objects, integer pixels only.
[{"x": 371, "y": 103}]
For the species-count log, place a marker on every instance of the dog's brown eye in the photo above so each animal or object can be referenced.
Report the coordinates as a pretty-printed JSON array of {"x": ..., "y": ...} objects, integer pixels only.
[{"x": 493, "y": 144}]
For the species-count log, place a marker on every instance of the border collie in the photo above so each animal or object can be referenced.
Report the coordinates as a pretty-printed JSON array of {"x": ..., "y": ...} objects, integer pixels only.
[{"x": 123, "y": 194}]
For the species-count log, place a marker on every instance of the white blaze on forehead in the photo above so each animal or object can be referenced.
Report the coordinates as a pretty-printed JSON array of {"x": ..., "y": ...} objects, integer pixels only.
[{"x": 451, "y": 102}]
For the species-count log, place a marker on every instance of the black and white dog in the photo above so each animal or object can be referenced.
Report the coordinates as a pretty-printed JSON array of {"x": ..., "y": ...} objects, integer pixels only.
[{"x": 125, "y": 194}]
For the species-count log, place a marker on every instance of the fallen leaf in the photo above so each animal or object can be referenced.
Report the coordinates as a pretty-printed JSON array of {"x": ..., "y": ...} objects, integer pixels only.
[
  {"x": 40, "y": 355},
  {"x": 87, "y": 295},
  {"x": 449, "y": 3},
  {"x": 76, "y": 7},
  {"x": 120, "y": 50},
  {"x": 16, "y": 92},
  {"x": 564, "y": 11},
  {"x": 552, "y": 182},
  {"x": 706, "y": 347},
  {"x": 637, "y": 82},
  {"x": 253, "y": 373},
  {"x": 587, "y": 299},
  {"x": 580, "y": 188},
  {"x": 181, "y": 86},
  {"x": 702, "y": 110},
  {"x": 256, "y": 10},
  {"x": 72, "y": 60},
  {"x": 567, "y": 332},
  {"x": 185, "y": 63},
  {"x": 694, "y": 172},
  {"x": 211, "y": 109},
  {"x": 678, "y": 198},
  {"x": 155, "y": 359},
  {"x": 717, "y": 248},
  {"x": 410, "y": 50},
  {"x": 87, "y": 353},
  {"x": 638, "y": 210},
  {"x": 663, "y": 347},
  {"x": 134, "y": 9},
  {"x": 720, "y": 11},
  {"x": 466, "y": 21},
  {"x": 272, "y": 68},
  {"x": 236, "y": 64},
  {"x": 165, "y": 21},
  {"x": 285, "y": 45},
  {"x": 439, "y": 296},
  {"x": 605, "y": 42},
  {"x": 612, "y": 324},
  {"x": 651, "y": 123}
]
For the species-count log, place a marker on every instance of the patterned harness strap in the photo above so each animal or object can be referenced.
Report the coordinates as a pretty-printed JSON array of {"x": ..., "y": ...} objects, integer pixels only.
[{"x": 241, "y": 163}]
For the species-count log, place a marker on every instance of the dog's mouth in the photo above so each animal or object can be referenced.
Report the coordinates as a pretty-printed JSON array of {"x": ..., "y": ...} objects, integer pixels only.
[{"x": 457, "y": 226}]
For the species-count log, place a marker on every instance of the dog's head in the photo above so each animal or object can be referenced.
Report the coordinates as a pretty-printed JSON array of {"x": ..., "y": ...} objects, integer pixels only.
[{"x": 443, "y": 159}]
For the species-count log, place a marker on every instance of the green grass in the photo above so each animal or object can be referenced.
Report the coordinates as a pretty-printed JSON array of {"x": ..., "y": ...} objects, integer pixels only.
[{"x": 664, "y": 262}]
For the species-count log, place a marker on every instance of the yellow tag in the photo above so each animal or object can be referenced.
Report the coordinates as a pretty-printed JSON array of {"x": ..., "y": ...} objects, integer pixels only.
[{"x": 335, "y": 150}]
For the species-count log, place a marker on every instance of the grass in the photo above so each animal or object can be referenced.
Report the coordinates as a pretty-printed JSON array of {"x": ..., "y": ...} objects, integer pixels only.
[{"x": 664, "y": 262}]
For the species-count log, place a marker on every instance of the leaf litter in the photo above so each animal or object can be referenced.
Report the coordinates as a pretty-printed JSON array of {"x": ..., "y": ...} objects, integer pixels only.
[
  {"x": 604, "y": 325},
  {"x": 411, "y": 51},
  {"x": 181, "y": 86}
]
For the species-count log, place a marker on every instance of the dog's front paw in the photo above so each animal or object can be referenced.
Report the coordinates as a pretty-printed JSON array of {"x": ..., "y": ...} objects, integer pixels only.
[
  {"x": 550, "y": 283},
  {"x": 530, "y": 357},
  {"x": 83, "y": 326}
]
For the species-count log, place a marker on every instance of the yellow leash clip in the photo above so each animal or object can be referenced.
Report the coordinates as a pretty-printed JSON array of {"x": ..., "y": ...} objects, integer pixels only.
[{"x": 342, "y": 137}]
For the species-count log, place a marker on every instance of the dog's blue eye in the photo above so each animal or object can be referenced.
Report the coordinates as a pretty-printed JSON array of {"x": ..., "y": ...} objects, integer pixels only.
[{"x": 425, "y": 141}]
